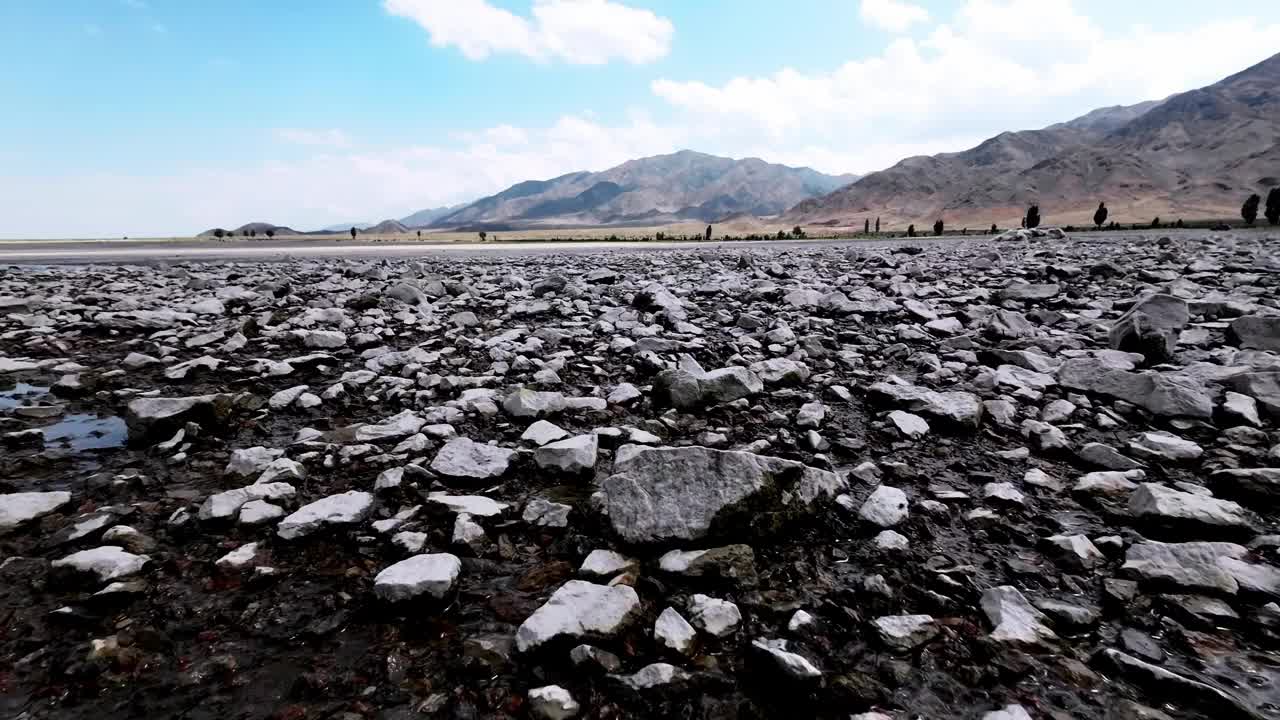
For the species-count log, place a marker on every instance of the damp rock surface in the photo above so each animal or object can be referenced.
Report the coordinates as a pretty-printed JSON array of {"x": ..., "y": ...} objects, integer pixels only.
[{"x": 952, "y": 478}]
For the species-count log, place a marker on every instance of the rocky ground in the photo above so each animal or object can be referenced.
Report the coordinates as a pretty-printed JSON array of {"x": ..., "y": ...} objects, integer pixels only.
[{"x": 999, "y": 479}]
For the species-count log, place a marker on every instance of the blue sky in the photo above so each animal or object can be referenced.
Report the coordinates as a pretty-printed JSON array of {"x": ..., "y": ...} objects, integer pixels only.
[{"x": 162, "y": 117}]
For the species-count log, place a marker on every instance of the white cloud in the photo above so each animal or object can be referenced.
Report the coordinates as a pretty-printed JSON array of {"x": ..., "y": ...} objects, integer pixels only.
[
  {"x": 316, "y": 138},
  {"x": 892, "y": 15},
  {"x": 997, "y": 65},
  {"x": 583, "y": 32}
]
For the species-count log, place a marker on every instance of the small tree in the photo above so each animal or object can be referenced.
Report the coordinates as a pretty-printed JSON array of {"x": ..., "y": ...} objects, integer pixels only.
[
  {"x": 708, "y": 235},
  {"x": 911, "y": 231},
  {"x": 797, "y": 232},
  {"x": 1155, "y": 224},
  {"x": 782, "y": 234},
  {"x": 419, "y": 234},
  {"x": 271, "y": 234},
  {"x": 1179, "y": 225},
  {"x": 353, "y": 232},
  {"x": 1249, "y": 211},
  {"x": 866, "y": 226},
  {"x": 253, "y": 233},
  {"x": 1100, "y": 216},
  {"x": 1273, "y": 206},
  {"x": 483, "y": 236},
  {"x": 938, "y": 227},
  {"x": 219, "y": 233},
  {"x": 994, "y": 229},
  {"x": 1033, "y": 216},
  {"x": 877, "y": 226}
]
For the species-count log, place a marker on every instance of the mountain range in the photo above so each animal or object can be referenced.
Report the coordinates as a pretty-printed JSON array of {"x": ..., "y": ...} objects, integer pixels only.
[
  {"x": 1197, "y": 154},
  {"x": 681, "y": 186},
  {"x": 1194, "y": 155}
]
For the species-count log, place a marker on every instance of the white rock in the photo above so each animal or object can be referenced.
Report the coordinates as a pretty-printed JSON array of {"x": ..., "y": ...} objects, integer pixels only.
[
  {"x": 410, "y": 542},
  {"x": 552, "y": 702},
  {"x": 1014, "y": 619},
  {"x": 347, "y": 508},
  {"x": 714, "y": 616},
  {"x": 673, "y": 632},
  {"x": 251, "y": 461},
  {"x": 225, "y": 505},
  {"x": 885, "y": 507},
  {"x": 1010, "y": 712},
  {"x": 257, "y": 512},
  {"x": 1160, "y": 446},
  {"x": 543, "y": 432},
  {"x": 20, "y": 508},
  {"x": 906, "y": 632},
  {"x": 468, "y": 532},
  {"x": 477, "y": 505},
  {"x": 464, "y": 458},
  {"x": 574, "y": 455},
  {"x": 433, "y": 575},
  {"x": 285, "y": 398},
  {"x": 281, "y": 469},
  {"x": 801, "y": 620},
  {"x": 791, "y": 663},
  {"x": 239, "y": 558},
  {"x": 890, "y": 540},
  {"x": 544, "y": 513},
  {"x": 912, "y": 426},
  {"x": 579, "y": 609},
  {"x": 606, "y": 564},
  {"x": 651, "y": 676},
  {"x": 107, "y": 563}
]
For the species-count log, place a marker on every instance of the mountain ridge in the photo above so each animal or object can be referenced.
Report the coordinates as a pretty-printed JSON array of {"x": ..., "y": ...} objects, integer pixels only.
[
  {"x": 1198, "y": 153},
  {"x": 685, "y": 185}
]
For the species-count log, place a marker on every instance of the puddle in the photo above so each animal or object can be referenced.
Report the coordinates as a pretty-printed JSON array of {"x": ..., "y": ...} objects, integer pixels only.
[
  {"x": 21, "y": 394},
  {"x": 87, "y": 432}
]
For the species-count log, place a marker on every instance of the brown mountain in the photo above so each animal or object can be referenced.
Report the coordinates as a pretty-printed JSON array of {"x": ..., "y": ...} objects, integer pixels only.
[
  {"x": 682, "y": 186},
  {"x": 1194, "y": 155}
]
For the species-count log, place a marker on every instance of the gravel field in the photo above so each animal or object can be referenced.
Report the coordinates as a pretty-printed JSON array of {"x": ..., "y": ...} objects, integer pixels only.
[{"x": 1001, "y": 478}]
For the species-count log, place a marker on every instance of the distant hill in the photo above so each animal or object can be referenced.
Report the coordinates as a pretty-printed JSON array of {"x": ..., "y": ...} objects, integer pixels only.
[
  {"x": 1198, "y": 154},
  {"x": 424, "y": 218},
  {"x": 259, "y": 228},
  {"x": 682, "y": 186},
  {"x": 387, "y": 227}
]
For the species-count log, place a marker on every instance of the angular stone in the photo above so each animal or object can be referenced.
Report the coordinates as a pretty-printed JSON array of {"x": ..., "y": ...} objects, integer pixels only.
[
  {"x": 793, "y": 664},
  {"x": 904, "y": 633},
  {"x": 1190, "y": 566},
  {"x": 431, "y": 574},
  {"x": 713, "y": 616},
  {"x": 673, "y": 632},
  {"x": 579, "y": 610},
  {"x": 1013, "y": 618},
  {"x": 104, "y": 563},
  {"x": 1154, "y": 502},
  {"x": 885, "y": 507},
  {"x": 20, "y": 508},
  {"x": 574, "y": 455},
  {"x": 466, "y": 459},
  {"x": 347, "y": 508},
  {"x": 681, "y": 494}
]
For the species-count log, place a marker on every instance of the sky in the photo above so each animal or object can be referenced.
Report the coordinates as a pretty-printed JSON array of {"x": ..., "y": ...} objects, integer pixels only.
[{"x": 169, "y": 117}]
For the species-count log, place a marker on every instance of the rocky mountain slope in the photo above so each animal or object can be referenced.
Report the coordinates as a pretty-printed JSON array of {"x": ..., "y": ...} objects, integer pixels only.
[
  {"x": 1197, "y": 154},
  {"x": 424, "y": 218},
  {"x": 685, "y": 185}
]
